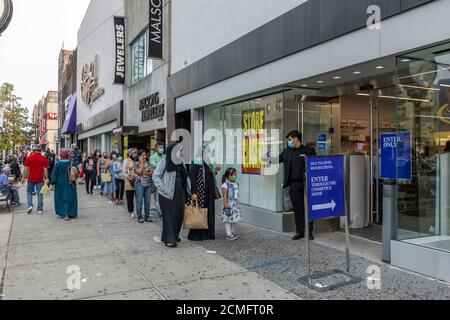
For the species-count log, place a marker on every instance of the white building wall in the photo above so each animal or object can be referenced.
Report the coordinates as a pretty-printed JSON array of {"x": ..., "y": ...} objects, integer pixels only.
[
  {"x": 361, "y": 46},
  {"x": 96, "y": 37},
  {"x": 200, "y": 27}
]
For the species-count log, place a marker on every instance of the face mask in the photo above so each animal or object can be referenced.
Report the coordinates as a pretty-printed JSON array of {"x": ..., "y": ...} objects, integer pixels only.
[
  {"x": 291, "y": 144},
  {"x": 180, "y": 154},
  {"x": 120, "y": 158},
  {"x": 161, "y": 151},
  {"x": 114, "y": 157},
  {"x": 233, "y": 178}
]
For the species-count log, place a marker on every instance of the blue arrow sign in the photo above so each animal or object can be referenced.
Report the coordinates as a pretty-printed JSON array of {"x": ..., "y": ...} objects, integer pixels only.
[{"x": 326, "y": 188}]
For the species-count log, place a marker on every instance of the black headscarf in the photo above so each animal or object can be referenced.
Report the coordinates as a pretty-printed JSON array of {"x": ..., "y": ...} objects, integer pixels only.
[{"x": 172, "y": 167}]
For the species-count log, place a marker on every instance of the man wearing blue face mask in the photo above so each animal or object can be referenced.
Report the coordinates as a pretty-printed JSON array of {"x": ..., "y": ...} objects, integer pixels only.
[{"x": 294, "y": 162}]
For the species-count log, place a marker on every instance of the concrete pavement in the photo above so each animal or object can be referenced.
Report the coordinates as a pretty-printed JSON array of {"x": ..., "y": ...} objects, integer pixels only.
[
  {"x": 117, "y": 258},
  {"x": 121, "y": 259}
]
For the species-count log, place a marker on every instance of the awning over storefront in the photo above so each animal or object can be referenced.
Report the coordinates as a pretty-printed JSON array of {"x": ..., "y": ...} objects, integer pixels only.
[{"x": 70, "y": 124}]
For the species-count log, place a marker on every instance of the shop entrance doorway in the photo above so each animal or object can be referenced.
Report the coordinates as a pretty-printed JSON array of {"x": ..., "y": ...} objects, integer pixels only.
[{"x": 350, "y": 125}]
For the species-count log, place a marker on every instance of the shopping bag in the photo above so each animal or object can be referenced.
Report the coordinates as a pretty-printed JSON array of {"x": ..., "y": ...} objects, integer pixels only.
[
  {"x": 45, "y": 190},
  {"x": 195, "y": 218},
  {"x": 106, "y": 177}
]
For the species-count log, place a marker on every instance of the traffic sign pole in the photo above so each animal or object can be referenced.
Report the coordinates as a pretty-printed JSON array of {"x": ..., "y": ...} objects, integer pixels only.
[{"x": 308, "y": 254}]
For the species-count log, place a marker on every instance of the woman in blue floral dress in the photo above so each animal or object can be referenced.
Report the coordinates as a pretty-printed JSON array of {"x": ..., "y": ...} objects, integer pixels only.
[{"x": 231, "y": 213}]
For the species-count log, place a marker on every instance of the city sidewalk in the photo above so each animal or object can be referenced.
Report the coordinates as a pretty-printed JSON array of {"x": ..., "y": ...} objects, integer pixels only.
[{"x": 118, "y": 259}]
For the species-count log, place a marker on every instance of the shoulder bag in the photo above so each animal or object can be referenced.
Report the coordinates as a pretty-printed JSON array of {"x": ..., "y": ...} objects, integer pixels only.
[{"x": 74, "y": 173}]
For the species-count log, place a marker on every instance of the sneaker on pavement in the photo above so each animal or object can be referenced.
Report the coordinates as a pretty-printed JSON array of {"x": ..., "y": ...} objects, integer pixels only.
[
  {"x": 30, "y": 210},
  {"x": 40, "y": 212},
  {"x": 67, "y": 218},
  {"x": 132, "y": 216},
  {"x": 231, "y": 238}
]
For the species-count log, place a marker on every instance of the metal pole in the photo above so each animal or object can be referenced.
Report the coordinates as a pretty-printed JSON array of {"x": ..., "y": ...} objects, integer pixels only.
[
  {"x": 308, "y": 255},
  {"x": 347, "y": 231}
]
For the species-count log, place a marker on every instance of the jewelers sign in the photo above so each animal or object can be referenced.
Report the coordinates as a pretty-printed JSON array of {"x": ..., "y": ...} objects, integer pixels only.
[
  {"x": 152, "y": 108},
  {"x": 119, "y": 30},
  {"x": 155, "y": 48}
]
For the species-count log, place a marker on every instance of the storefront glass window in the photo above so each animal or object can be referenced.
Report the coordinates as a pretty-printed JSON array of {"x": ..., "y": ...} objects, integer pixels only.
[
  {"x": 141, "y": 66},
  {"x": 257, "y": 127},
  {"x": 423, "y": 109}
]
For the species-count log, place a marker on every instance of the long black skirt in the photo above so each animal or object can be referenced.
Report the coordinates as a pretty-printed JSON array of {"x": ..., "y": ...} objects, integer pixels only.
[{"x": 173, "y": 214}]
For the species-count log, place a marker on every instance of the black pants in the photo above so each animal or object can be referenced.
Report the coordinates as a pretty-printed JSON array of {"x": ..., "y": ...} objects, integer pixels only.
[
  {"x": 130, "y": 201},
  {"x": 90, "y": 181},
  {"x": 120, "y": 189},
  {"x": 297, "y": 194}
]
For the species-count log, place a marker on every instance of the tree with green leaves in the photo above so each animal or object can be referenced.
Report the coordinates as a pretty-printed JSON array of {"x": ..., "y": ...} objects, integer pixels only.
[{"x": 17, "y": 130}]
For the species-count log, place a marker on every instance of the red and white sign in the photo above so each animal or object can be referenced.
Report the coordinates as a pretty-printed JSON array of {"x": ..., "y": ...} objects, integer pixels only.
[{"x": 52, "y": 116}]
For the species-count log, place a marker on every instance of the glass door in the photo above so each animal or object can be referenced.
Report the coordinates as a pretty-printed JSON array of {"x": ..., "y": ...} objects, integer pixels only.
[{"x": 383, "y": 120}]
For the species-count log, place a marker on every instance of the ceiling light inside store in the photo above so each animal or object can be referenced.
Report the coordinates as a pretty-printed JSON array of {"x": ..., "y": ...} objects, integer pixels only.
[
  {"x": 380, "y": 67},
  {"x": 357, "y": 72},
  {"x": 337, "y": 78},
  {"x": 406, "y": 60},
  {"x": 304, "y": 85},
  {"x": 320, "y": 81},
  {"x": 445, "y": 85}
]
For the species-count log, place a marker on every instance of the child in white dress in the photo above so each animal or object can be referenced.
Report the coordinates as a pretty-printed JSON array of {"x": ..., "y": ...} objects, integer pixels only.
[{"x": 231, "y": 213}]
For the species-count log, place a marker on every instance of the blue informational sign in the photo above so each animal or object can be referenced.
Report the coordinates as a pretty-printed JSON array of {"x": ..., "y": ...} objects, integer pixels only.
[
  {"x": 326, "y": 189},
  {"x": 396, "y": 155},
  {"x": 322, "y": 141}
]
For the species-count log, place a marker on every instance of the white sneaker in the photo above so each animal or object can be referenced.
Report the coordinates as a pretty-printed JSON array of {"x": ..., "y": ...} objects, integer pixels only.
[
  {"x": 40, "y": 212},
  {"x": 132, "y": 216},
  {"x": 30, "y": 210}
]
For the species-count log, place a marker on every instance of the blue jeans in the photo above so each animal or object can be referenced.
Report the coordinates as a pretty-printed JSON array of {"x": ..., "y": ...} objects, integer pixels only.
[
  {"x": 32, "y": 187},
  {"x": 158, "y": 207},
  {"x": 142, "y": 194},
  {"x": 15, "y": 195}
]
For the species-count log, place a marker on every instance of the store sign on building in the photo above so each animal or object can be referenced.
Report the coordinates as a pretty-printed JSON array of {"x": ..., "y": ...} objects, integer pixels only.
[
  {"x": 253, "y": 125},
  {"x": 152, "y": 108},
  {"x": 90, "y": 89},
  {"x": 155, "y": 48},
  {"x": 52, "y": 116},
  {"x": 6, "y": 11},
  {"x": 119, "y": 28}
]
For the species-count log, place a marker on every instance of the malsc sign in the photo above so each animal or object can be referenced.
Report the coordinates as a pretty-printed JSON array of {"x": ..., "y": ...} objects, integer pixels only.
[{"x": 253, "y": 125}]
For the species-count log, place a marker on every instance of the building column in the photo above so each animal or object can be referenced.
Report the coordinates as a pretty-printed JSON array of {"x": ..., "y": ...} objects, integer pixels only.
[
  {"x": 104, "y": 146},
  {"x": 89, "y": 145}
]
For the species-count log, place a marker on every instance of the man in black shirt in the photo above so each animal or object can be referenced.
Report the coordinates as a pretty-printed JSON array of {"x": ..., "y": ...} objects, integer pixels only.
[{"x": 294, "y": 162}]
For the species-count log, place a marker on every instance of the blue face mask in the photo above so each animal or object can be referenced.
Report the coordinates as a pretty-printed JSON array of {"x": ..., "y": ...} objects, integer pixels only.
[
  {"x": 291, "y": 144},
  {"x": 233, "y": 178}
]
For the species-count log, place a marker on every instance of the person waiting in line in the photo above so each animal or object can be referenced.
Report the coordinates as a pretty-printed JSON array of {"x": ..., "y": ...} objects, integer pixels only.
[
  {"x": 98, "y": 179},
  {"x": 143, "y": 173},
  {"x": 231, "y": 213},
  {"x": 66, "y": 200},
  {"x": 294, "y": 162},
  {"x": 90, "y": 173},
  {"x": 110, "y": 187},
  {"x": 202, "y": 174},
  {"x": 102, "y": 169},
  {"x": 7, "y": 188},
  {"x": 129, "y": 174},
  {"x": 155, "y": 160},
  {"x": 172, "y": 180},
  {"x": 447, "y": 146},
  {"x": 119, "y": 179}
]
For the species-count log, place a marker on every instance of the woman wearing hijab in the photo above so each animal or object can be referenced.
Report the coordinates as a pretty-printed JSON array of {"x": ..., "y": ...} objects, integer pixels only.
[
  {"x": 202, "y": 174},
  {"x": 172, "y": 181},
  {"x": 66, "y": 201}
]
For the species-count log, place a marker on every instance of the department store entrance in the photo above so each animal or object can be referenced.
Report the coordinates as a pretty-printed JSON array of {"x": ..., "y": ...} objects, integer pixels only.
[{"x": 350, "y": 125}]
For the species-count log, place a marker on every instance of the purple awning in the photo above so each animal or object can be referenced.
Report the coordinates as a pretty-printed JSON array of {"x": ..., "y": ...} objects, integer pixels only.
[{"x": 70, "y": 124}]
